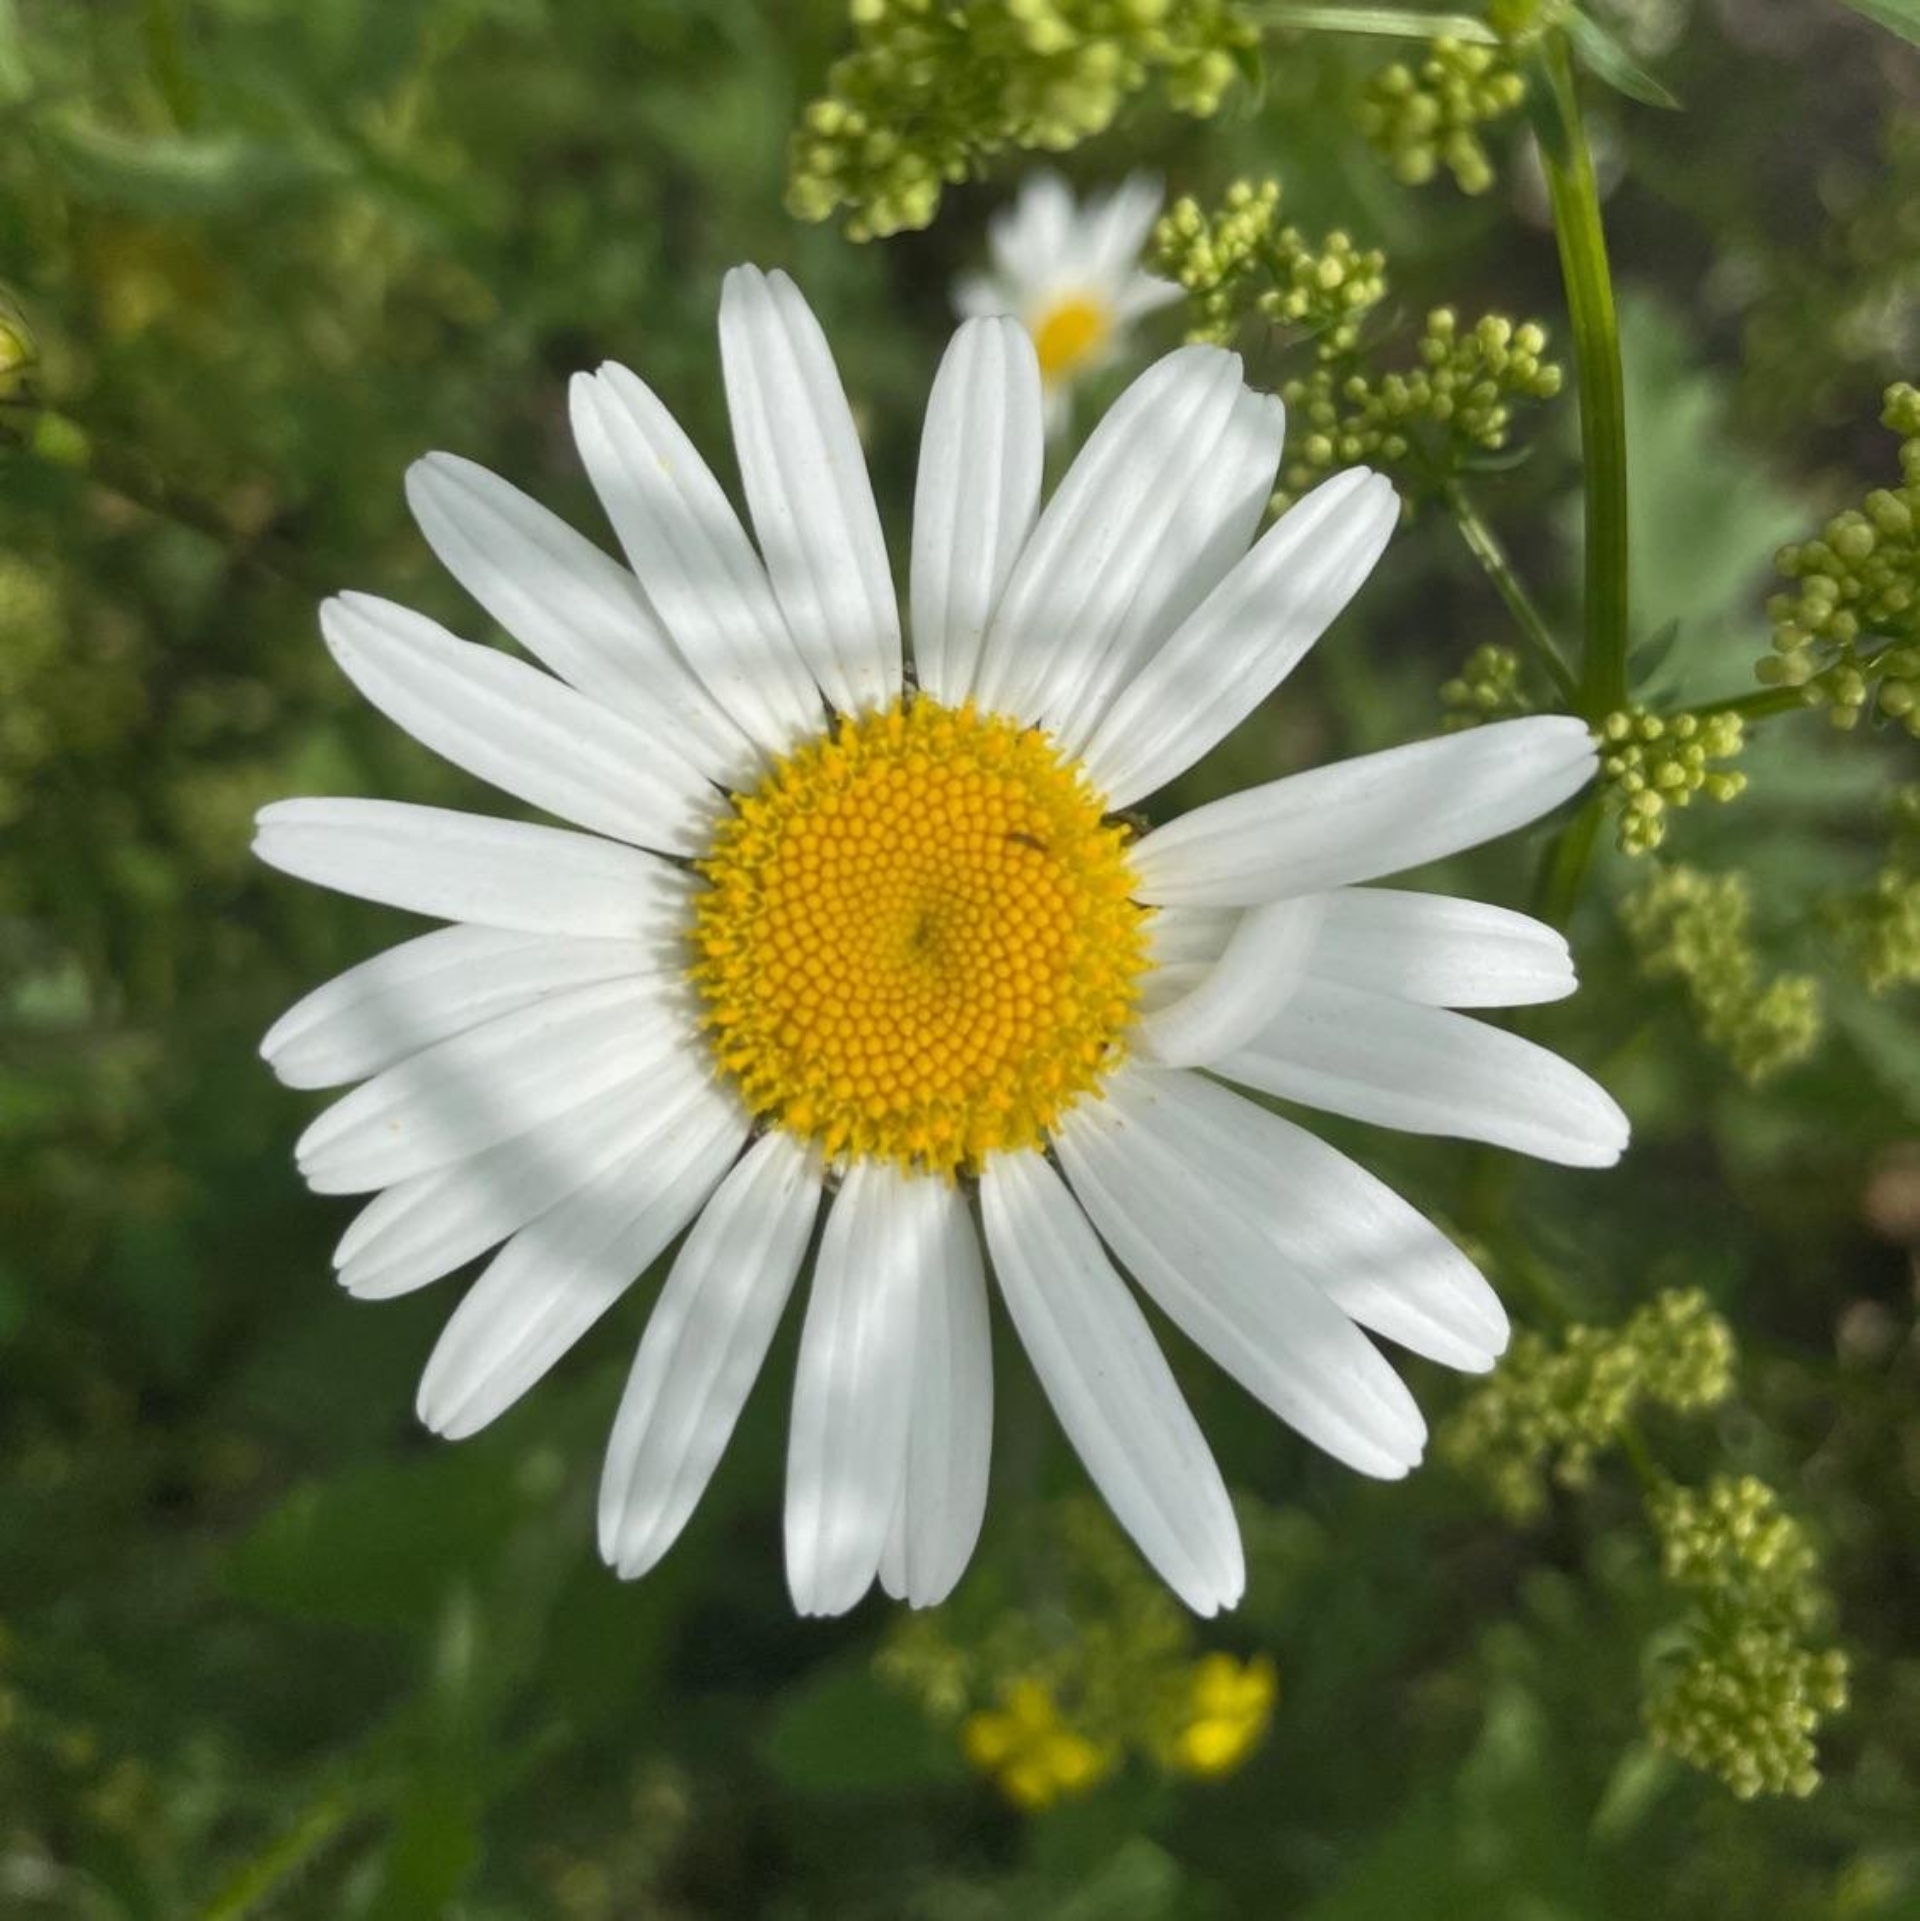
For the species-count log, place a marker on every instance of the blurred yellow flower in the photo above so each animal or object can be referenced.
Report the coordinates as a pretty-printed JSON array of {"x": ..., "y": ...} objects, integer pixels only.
[
  {"x": 1228, "y": 1707},
  {"x": 1032, "y": 1752}
]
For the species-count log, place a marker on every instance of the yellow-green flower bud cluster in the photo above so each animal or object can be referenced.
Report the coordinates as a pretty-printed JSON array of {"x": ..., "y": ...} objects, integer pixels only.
[
  {"x": 1696, "y": 928},
  {"x": 1240, "y": 263},
  {"x": 1729, "y": 1541},
  {"x": 1487, "y": 687},
  {"x": 933, "y": 88},
  {"x": 1848, "y": 636},
  {"x": 1551, "y": 1408},
  {"x": 1746, "y": 1695},
  {"x": 1456, "y": 401},
  {"x": 1745, "y": 1706},
  {"x": 1880, "y": 926},
  {"x": 1423, "y": 119},
  {"x": 1651, "y": 764},
  {"x": 1048, "y": 1703}
]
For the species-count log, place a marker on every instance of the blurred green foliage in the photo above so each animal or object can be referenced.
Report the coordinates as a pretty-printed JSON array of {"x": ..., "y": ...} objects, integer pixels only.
[{"x": 264, "y": 1650}]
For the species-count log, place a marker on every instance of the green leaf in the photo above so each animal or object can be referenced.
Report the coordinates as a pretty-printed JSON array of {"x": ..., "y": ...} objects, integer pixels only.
[
  {"x": 1705, "y": 515},
  {"x": 840, "y": 1732},
  {"x": 432, "y": 1849},
  {"x": 1897, "y": 16},
  {"x": 378, "y": 1546},
  {"x": 1607, "y": 60},
  {"x": 176, "y": 174}
]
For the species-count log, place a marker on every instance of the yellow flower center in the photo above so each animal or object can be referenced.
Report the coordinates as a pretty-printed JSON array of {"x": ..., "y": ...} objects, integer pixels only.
[
  {"x": 916, "y": 942},
  {"x": 1068, "y": 334}
]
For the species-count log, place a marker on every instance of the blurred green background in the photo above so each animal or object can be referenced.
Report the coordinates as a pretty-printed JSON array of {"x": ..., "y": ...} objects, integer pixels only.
[{"x": 264, "y": 1648}]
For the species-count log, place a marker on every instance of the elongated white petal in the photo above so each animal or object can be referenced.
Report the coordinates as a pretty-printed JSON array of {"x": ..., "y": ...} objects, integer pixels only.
[
  {"x": 1109, "y": 1383},
  {"x": 846, "y": 1454},
  {"x": 1265, "y": 960},
  {"x": 693, "y": 559},
  {"x": 428, "y": 988},
  {"x": 473, "y": 1090},
  {"x": 1208, "y": 514},
  {"x": 554, "y": 1279},
  {"x": 950, "y": 1440},
  {"x": 808, "y": 491},
  {"x": 1117, "y": 224},
  {"x": 1028, "y": 238},
  {"x": 978, "y": 491},
  {"x": 527, "y": 733},
  {"x": 429, "y": 1224},
  {"x": 1172, "y": 1196},
  {"x": 1425, "y": 1070},
  {"x": 1438, "y": 950},
  {"x": 1094, "y": 554},
  {"x": 1359, "y": 819},
  {"x": 466, "y": 867},
  {"x": 572, "y": 607},
  {"x": 703, "y": 1350},
  {"x": 1244, "y": 639}
]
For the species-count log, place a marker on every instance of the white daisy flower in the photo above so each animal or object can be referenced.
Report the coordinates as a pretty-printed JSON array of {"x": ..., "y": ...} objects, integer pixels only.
[
  {"x": 832, "y": 949},
  {"x": 1070, "y": 274}
]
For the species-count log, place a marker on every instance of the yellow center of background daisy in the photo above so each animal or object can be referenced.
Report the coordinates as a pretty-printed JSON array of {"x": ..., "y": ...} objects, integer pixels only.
[
  {"x": 916, "y": 942},
  {"x": 1069, "y": 334}
]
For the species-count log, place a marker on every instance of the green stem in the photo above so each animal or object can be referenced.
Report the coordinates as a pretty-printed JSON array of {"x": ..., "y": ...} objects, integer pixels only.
[
  {"x": 1603, "y": 414},
  {"x": 1392, "y": 23},
  {"x": 1485, "y": 547},
  {"x": 1566, "y": 864},
  {"x": 1754, "y": 706}
]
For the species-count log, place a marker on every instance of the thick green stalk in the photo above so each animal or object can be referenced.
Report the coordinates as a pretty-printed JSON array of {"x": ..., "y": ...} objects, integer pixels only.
[{"x": 1602, "y": 391}]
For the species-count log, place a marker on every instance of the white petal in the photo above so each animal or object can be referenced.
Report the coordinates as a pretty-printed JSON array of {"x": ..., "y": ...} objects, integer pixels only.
[
  {"x": 1117, "y": 224},
  {"x": 695, "y": 565},
  {"x": 980, "y": 296},
  {"x": 1093, "y": 560},
  {"x": 1264, "y": 961},
  {"x": 1361, "y": 818},
  {"x": 572, "y": 607},
  {"x": 466, "y": 867},
  {"x": 1425, "y": 1070},
  {"x": 703, "y": 1349},
  {"x": 1208, "y": 515},
  {"x": 473, "y": 1090},
  {"x": 554, "y": 1279},
  {"x": 1180, "y": 1176},
  {"x": 808, "y": 491},
  {"x": 429, "y": 1224},
  {"x": 846, "y": 1453},
  {"x": 1438, "y": 950},
  {"x": 1323, "y": 1218},
  {"x": 1140, "y": 294},
  {"x": 528, "y": 734},
  {"x": 944, "y": 1496},
  {"x": 1109, "y": 1383},
  {"x": 1027, "y": 239},
  {"x": 1244, "y": 638},
  {"x": 973, "y": 506},
  {"x": 425, "y": 989}
]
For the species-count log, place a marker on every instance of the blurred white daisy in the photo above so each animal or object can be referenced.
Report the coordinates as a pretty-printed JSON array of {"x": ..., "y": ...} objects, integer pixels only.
[
  {"x": 834, "y": 949},
  {"x": 1070, "y": 274}
]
